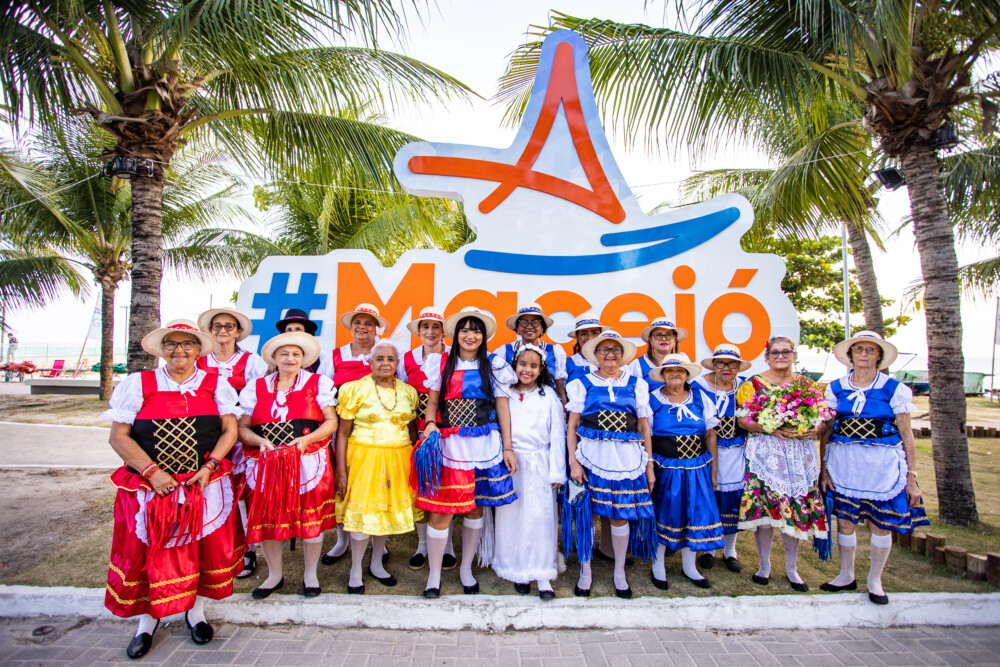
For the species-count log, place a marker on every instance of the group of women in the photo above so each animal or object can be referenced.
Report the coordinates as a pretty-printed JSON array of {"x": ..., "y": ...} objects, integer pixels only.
[{"x": 225, "y": 450}]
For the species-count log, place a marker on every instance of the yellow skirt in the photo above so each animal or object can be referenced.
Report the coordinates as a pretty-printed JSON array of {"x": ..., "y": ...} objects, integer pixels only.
[{"x": 379, "y": 500}]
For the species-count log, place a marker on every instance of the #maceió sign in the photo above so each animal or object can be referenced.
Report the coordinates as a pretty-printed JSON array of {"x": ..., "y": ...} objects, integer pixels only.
[{"x": 555, "y": 223}]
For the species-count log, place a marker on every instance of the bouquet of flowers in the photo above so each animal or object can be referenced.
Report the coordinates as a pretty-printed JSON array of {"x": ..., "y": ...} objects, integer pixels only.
[{"x": 798, "y": 405}]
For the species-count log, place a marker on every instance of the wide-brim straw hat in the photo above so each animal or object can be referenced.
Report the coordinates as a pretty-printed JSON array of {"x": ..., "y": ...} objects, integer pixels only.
[
  {"x": 299, "y": 316},
  {"x": 302, "y": 340},
  {"x": 205, "y": 321},
  {"x": 586, "y": 321},
  {"x": 153, "y": 341},
  {"x": 663, "y": 323},
  {"x": 452, "y": 321},
  {"x": 726, "y": 352},
  {"x": 429, "y": 313},
  {"x": 628, "y": 347},
  {"x": 677, "y": 360},
  {"x": 363, "y": 309},
  {"x": 889, "y": 351},
  {"x": 528, "y": 309}
]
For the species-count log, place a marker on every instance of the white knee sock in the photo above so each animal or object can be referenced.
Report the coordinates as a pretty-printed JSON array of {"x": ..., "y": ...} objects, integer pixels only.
[
  {"x": 880, "y": 550},
  {"x": 791, "y": 557},
  {"x": 688, "y": 564},
  {"x": 847, "y": 546},
  {"x": 544, "y": 585},
  {"x": 436, "y": 539},
  {"x": 764, "y": 536},
  {"x": 421, "y": 539},
  {"x": 472, "y": 530},
  {"x": 730, "y": 551},
  {"x": 359, "y": 544},
  {"x": 619, "y": 542},
  {"x": 312, "y": 549},
  {"x": 146, "y": 624},
  {"x": 659, "y": 567},
  {"x": 378, "y": 547},
  {"x": 586, "y": 578},
  {"x": 449, "y": 547},
  {"x": 343, "y": 542},
  {"x": 273, "y": 555},
  {"x": 196, "y": 614}
]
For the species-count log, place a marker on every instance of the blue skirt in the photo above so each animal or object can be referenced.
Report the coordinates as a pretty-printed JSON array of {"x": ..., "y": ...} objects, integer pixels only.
[
  {"x": 729, "y": 509},
  {"x": 895, "y": 514},
  {"x": 686, "y": 511},
  {"x": 620, "y": 499},
  {"x": 494, "y": 486}
]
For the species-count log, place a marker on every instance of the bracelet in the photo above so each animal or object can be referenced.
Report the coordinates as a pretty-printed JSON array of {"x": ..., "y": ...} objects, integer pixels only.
[
  {"x": 147, "y": 472},
  {"x": 211, "y": 465},
  {"x": 508, "y": 450},
  {"x": 912, "y": 472},
  {"x": 214, "y": 461},
  {"x": 429, "y": 422}
]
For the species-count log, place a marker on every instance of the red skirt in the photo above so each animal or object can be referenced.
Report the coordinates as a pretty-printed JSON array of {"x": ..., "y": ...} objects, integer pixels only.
[
  {"x": 290, "y": 494},
  {"x": 162, "y": 582}
]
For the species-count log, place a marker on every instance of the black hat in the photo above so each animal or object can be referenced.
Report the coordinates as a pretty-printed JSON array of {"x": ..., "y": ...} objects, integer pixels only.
[{"x": 297, "y": 315}]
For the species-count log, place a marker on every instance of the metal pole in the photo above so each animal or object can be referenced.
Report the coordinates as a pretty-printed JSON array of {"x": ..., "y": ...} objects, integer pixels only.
[
  {"x": 126, "y": 336},
  {"x": 847, "y": 293}
]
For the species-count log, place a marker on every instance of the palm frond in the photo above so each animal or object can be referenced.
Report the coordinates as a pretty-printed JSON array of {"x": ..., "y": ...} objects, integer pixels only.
[
  {"x": 34, "y": 279},
  {"x": 981, "y": 279}
]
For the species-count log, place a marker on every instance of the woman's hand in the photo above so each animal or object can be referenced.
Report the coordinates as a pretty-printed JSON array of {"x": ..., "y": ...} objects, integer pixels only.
[
  {"x": 825, "y": 482},
  {"x": 650, "y": 475},
  {"x": 715, "y": 480},
  {"x": 162, "y": 482},
  {"x": 510, "y": 460},
  {"x": 556, "y": 486},
  {"x": 201, "y": 477},
  {"x": 811, "y": 434},
  {"x": 912, "y": 491},
  {"x": 430, "y": 427},
  {"x": 301, "y": 442},
  {"x": 341, "y": 482},
  {"x": 786, "y": 433},
  {"x": 577, "y": 473}
]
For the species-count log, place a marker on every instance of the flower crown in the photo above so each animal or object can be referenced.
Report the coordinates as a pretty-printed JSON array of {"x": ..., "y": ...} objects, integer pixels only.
[{"x": 528, "y": 347}]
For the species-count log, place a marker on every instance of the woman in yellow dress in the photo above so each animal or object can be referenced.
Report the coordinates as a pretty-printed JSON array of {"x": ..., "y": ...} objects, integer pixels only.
[{"x": 374, "y": 444}]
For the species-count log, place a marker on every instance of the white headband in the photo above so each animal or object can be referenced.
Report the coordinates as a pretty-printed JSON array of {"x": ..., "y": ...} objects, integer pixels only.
[{"x": 528, "y": 347}]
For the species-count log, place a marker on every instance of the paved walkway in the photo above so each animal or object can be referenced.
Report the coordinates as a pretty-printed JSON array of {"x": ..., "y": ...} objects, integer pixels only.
[
  {"x": 42, "y": 445},
  {"x": 79, "y": 641}
]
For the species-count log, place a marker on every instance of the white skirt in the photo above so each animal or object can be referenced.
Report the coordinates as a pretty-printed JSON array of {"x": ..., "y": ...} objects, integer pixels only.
[{"x": 526, "y": 532}]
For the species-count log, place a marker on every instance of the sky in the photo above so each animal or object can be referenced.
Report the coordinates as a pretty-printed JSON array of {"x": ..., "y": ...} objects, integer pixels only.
[{"x": 472, "y": 42}]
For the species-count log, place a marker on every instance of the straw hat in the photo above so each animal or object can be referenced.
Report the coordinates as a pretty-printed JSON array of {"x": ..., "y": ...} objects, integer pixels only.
[
  {"x": 302, "y": 340},
  {"x": 889, "y": 351},
  {"x": 205, "y": 321},
  {"x": 676, "y": 360},
  {"x": 153, "y": 341},
  {"x": 296, "y": 315},
  {"x": 663, "y": 323},
  {"x": 628, "y": 346},
  {"x": 451, "y": 321},
  {"x": 428, "y": 313},
  {"x": 363, "y": 309},
  {"x": 587, "y": 321},
  {"x": 726, "y": 352},
  {"x": 528, "y": 309}
]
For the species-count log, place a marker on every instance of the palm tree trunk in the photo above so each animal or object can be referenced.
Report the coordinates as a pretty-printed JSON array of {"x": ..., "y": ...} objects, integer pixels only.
[
  {"x": 942, "y": 308},
  {"x": 107, "y": 338},
  {"x": 871, "y": 300},
  {"x": 147, "y": 268}
]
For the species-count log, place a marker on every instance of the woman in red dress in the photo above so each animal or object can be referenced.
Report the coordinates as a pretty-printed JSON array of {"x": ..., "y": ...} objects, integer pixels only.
[{"x": 177, "y": 541}]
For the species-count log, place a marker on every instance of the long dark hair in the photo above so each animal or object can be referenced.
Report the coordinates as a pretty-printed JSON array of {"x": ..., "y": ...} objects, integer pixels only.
[
  {"x": 545, "y": 378},
  {"x": 485, "y": 368}
]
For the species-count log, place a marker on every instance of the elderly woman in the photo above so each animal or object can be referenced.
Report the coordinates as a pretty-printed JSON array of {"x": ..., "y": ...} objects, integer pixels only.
[
  {"x": 779, "y": 489},
  {"x": 530, "y": 324},
  {"x": 296, "y": 319},
  {"x": 374, "y": 444},
  {"x": 869, "y": 456},
  {"x": 238, "y": 367},
  {"x": 687, "y": 462},
  {"x": 288, "y": 418},
  {"x": 609, "y": 447},
  {"x": 176, "y": 540},
  {"x": 662, "y": 337}
]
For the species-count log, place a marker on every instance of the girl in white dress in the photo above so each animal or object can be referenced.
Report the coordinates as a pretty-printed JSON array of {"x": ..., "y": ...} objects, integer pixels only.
[{"x": 526, "y": 533}]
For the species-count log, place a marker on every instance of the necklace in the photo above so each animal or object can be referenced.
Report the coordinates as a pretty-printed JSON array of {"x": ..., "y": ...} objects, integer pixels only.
[{"x": 395, "y": 395}]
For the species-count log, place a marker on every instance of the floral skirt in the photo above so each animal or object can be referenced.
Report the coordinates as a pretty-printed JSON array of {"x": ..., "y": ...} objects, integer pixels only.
[{"x": 798, "y": 516}]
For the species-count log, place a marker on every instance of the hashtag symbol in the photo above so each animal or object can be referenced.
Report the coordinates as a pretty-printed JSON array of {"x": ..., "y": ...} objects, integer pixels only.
[{"x": 275, "y": 301}]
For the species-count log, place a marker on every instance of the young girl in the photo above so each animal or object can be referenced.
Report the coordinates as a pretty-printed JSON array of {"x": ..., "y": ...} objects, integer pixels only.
[
  {"x": 530, "y": 324},
  {"x": 525, "y": 547},
  {"x": 587, "y": 326},
  {"x": 662, "y": 337}
]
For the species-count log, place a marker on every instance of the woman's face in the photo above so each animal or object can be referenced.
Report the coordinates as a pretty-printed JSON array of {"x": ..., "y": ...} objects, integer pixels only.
[
  {"x": 431, "y": 333},
  {"x": 663, "y": 341},
  {"x": 781, "y": 356},
  {"x": 583, "y": 335},
  {"x": 528, "y": 366},
  {"x": 725, "y": 369},
  {"x": 609, "y": 355},
  {"x": 384, "y": 362},
  {"x": 469, "y": 339},
  {"x": 363, "y": 329},
  {"x": 288, "y": 359},
  {"x": 293, "y": 327},
  {"x": 225, "y": 329},
  {"x": 181, "y": 350},
  {"x": 865, "y": 355},
  {"x": 529, "y": 327},
  {"x": 674, "y": 378}
]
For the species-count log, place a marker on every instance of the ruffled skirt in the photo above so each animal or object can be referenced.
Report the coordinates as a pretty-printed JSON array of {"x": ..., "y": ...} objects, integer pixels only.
[
  {"x": 525, "y": 547},
  {"x": 686, "y": 510},
  {"x": 895, "y": 514},
  {"x": 280, "y": 509},
  {"x": 378, "y": 499}
]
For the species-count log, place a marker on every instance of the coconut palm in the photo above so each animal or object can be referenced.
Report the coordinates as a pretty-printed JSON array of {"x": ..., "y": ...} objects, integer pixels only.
[
  {"x": 252, "y": 75},
  {"x": 910, "y": 64}
]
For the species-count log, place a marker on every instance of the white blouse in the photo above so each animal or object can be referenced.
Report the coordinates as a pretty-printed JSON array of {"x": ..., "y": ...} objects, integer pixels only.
[
  {"x": 126, "y": 399},
  {"x": 326, "y": 360},
  {"x": 255, "y": 368},
  {"x": 418, "y": 358},
  {"x": 503, "y": 374},
  {"x": 538, "y": 427},
  {"x": 576, "y": 392},
  {"x": 901, "y": 401},
  {"x": 327, "y": 396},
  {"x": 683, "y": 409}
]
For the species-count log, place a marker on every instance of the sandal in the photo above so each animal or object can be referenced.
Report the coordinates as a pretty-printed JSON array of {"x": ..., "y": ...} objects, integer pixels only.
[{"x": 249, "y": 565}]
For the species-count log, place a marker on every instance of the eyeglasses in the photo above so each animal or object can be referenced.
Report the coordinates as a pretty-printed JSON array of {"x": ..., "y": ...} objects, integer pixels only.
[
  {"x": 609, "y": 351},
  {"x": 780, "y": 353},
  {"x": 219, "y": 326},
  {"x": 867, "y": 350},
  {"x": 171, "y": 345},
  {"x": 726, "y": 364},
  {"x": 663, "y": 336},
  {"x": 534, "y": 322}
]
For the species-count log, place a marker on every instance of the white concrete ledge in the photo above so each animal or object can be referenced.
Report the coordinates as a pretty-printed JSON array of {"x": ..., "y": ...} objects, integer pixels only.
[{"x": 497, "y": 613}]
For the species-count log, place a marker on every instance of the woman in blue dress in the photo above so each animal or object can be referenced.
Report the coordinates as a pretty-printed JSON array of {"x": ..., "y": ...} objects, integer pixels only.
[
  {"x": 662, "y": 337},
  {"x": 530, "y": 324},
  {"x": 869, "y": 455},
  {"x": 609, "y": 447},
  {"x": 684, "y": 451},
  {"x": 720, "y": 386}
]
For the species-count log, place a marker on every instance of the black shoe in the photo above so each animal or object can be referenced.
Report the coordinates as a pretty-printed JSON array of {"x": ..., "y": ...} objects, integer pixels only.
[
  {"x": 760, "y": 581},
  {"x": 522, "y": 589},
  {"x": 471, "y": 590},
  {"x": 249, "y": 565},
  {"x": 581, "y": 592},
  {"x": 141, "y": 643},
  {"x": 700, "y": 583},
  {"x": 625, "y": 594},
  {"x": 547, "y": 595},
  {"x": 311, "y": 591},
  {"x": 327, "y": 559},
  {"x": 432, "y": 593},
  {"x": 201, "y": 632},
  {"x": 260, "y": 593},
  {"x": 385, "y": 581},
  {"x": 356, "y": 590},
  {"x": 706, "y": 561},
  {"x": 662, "y": 584},
  {"x": 449, "y": 562},
  {"x": 878, "y": 599},
  {"x": 603, "y": 556},
  {"x": 417, "y": 561},
  {"x": 833, "y": 588},
  {"x": 733, "y": 564},
  {"x": 800, "y": 588}
]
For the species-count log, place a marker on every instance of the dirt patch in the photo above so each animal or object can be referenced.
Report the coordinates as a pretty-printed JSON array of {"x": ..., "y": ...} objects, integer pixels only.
[{"x": 56, "y": 409}]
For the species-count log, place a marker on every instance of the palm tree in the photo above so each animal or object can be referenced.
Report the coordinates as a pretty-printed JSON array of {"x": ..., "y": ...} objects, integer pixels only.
[
  {"x": 252, "y": 75},
  {"x": 910, "y": 64},
  {"x": 58, "y": 219}
]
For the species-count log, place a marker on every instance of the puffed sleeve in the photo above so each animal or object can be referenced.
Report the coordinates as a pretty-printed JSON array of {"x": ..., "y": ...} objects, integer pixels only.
[
  {"x": 902, "y": 400},
  {"x": 327, "y": 394},
  {"x": 557, "y": 444},
  {"x": 432, "y": 369},
  {"x": 559, "y": 372},
  {"x": 642, "y": 408},
  {"x": 708, "y": 412},
  {"x": 412, "y": 399},
  {"x": 256, "y": 368},
  {"x": 576, "y": 395},
  {"x": 831, "y": 398},
  {"x": 248, "y": 397},
  {"x": 126, "y": 400},
  {"x": 634, "y": 368},
  {"x": 401, "y": 369},
  {"x": 226, "y": 399},
  {"x": 503, "y": 377},
  {"x": 351, "y": 398}
]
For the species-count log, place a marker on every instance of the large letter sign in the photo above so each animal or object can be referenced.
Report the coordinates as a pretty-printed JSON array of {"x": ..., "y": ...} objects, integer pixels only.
[{"x": 557, "y": 224}]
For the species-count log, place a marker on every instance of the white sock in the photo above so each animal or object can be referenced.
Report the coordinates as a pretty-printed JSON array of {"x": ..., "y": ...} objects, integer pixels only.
[
  {"x": 544, "y": 585},
  {"x": 688, "y": 564},
  {"x": 273, "y": 555},
  {"x": 378, "y": 547},
  {"x": 730, "y": 550},
  {"x": 312, "y": 549},
  {"x": 196, "y": 614},
  {"x": 359, "y": 544},
  {"x": 146, "y": 624},
  {"x": 472, "y": 530},
  {"x": 847, "y": 546},
  {"x": 560, "y": 562},
  {"x": 619, "y": 542},
  {"x": 659, "y": 567},
  {"x": 343, "y": 542},
  {"x": 586, "y": 578},
  {"x": 436, "y": 539},
  {"x": 791, "y": 557},
  {"x": 421, "y": 539},
  {"x": 764, "y": 536},
  {"x": 880, "y": 550},
  {"x": 449, "y": 547}
]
